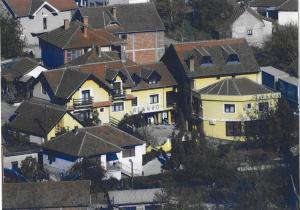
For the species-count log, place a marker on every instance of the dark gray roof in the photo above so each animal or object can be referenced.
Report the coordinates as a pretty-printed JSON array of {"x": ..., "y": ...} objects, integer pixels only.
[
  {"x": 35, "y": 195},
  {"x": 234, "y": 87},
  {"x": 21, "y": 149},
  {"x": 92, "y": 141},
  {"x": 130, "y": 18},
  {"x": 37, "y": 117},
  {"x": 94, "y": 57},
  {"x": 73, "y": 37},
  {"x": 289, "y": 5},
  {"x": 64, "y": 82},
  {"x": 18, "y": 68},
  {"x": 218, "y": 50},
  {"x": 266, "y": 3}
]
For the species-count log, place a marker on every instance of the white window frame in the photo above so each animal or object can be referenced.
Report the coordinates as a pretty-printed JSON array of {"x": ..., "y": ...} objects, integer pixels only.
[
  {"x": 158, "y": 99},
  {"x": 249, "y": 32},
  {"x": 112, "y": 107},
  {"x": 229, "y": 111}
]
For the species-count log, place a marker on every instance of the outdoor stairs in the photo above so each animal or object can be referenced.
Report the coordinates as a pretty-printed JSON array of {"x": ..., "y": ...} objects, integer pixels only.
[
  {"x": 126, "y": 170},
  {"x": 114, "y": 122}
]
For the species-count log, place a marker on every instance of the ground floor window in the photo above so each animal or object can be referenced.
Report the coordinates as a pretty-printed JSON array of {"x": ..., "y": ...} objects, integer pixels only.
[
  {"x": 233, "y": 129},
  {"x": 118, "y": 107}
]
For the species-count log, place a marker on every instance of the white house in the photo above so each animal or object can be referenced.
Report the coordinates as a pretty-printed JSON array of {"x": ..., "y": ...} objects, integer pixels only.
[
  {"x": 288, "y": 13},
  {"x": 116, "y": 151},
  {"x": 39, "y": 16},
  {"x": 246, "y": 23}
]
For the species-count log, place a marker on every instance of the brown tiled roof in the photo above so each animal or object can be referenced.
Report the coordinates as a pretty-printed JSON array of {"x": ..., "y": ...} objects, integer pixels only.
[
  {"x": 235, "y": 86},
  {"x": 22, "y": 8},
  {"x": 39, "y": 195},
  {"x": 100, "y": 70},
  {"x": 73, "y": 37},
  {"x": 215, "y": 48},
  {"x": 166, "y": 78},
  {"x": 17, "y": 69},
  {"x": 92, "y": 141},
  {"x": 130, "y": 18}
]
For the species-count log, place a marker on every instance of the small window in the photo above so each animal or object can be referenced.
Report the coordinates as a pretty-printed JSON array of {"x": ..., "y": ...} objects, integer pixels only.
[
  {"x": 249, "y": 32},
  {"x": 233, "y": 58},
  {"x": 124, "y": 36},
  {"x": 154, "y": 99},
  {"x": 233, "y": 128},
  {"x": 118, "y": 107},
  {"x": 101, "y": 109},
  {"x": 249, "y": 106},
  {"x": 263, "y": 106},
  {"x": 134, "y": 102},
  {"x": 229, "y": 108},
  {"x": 130, "y": 152},
  {"x": 43, "y": 90},
  {"x": 44, "y": 23}
]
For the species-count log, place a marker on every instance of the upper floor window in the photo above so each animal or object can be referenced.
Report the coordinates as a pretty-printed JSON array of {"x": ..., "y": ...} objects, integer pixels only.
[
  {"x": 134, "y": 102},
  {"x": 44, "y": 23},
  {"x": 249, "y": 32},
  {"x": 85, "y": 94},
  {"x": 154, "y": 99},
  {"x": 229, "y": 108},
  {"x": 206, "y": 60},
  {"x": 130, "y": 152},
  {"x": 118, "y": 107},
  {"x": 263, "y": 106},
  {"x": 117, "y": 86},
  {"x": 72, "y": 54}
]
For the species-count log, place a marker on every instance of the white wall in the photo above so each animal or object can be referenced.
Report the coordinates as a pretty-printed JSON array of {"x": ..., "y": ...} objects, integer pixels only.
[
  {"x": 59, "y": 164},
  {"x": 140, "y": 150},
  {"x": 7, "y": 160},
  {"x": 36, "y": 139},
  {"x": 287, "y": 17},
  {"x": 261, "y": 30},
  {"x": 36, "y": 71},
  {"x": 37, "y": 92}
]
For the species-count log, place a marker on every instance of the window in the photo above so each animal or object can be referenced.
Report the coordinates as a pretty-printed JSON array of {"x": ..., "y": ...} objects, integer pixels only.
[
  {"x": 51, "y": 158},
  {"x": 233, "y": 128},
  {"x": 72, "y": 54},
  {"x": 129, "y": 152},
  {"x": 124, "y": 36},
  {"x": 117, "y": 86},
  {"x": 101, "y": 109},
  {"x": 263, "y": 106},
  {"x": 44, "y": 23},
  {"x": 154, "y": 99},
  {"x": 249, "y": 106},
  {"x": 249, "y": 32},
  {"x": 43, "y": 90},
  {"x": 229, "y": 108},
  {"x": 233, "y": 58},
  {"x": 206, "y": 60},
  {"x": 118, "y": 107},
  {"x": 134, "y": 102},
  {"x": 152, "y": 81}
]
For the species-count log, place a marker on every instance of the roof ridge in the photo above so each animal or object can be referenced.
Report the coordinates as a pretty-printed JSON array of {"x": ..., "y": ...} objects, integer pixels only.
[
  {"x": 71, "y": 37},
  {"x": 127, "y": 134},
  {"x": 81, "y": 145},
  {"x": 211, "y": 40},
  {"x": 89, "y": 133},
  {"x": 60, "y": 82},
  {"x": 221, "y": 86}
]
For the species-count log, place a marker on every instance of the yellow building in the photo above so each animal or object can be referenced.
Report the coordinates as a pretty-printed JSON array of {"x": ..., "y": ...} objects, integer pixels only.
[
  {"x": 226, "y": 104},
  {"x": 39, "y": 120}
]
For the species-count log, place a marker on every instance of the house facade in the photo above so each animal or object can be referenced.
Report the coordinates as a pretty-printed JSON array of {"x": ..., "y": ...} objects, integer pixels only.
[
  {"x": 17, "y": 78},
  {"x": 198, "y": 65},
  {"x": 142, "y": 32},
  {"x": 288, "y": 13},
  {"x": 97, "y": 3},
  {"x": 72, "y": 40},
  {"x": 43, "y": 15},
  {"x": 32, "y": 121},
  {"x": 246, "y": 23},
  {"x": 114, "y": 150}
]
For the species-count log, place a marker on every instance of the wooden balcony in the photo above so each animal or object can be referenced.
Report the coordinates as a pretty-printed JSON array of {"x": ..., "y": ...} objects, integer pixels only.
[
  {"x": 118, "y": 94},
  {"x": 83, "y": 102}
]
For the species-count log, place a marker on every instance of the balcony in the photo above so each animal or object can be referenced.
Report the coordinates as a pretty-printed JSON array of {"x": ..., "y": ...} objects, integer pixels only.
[
  {"x": 118, "y": 94},
  {"x": 83, "y": 102}
]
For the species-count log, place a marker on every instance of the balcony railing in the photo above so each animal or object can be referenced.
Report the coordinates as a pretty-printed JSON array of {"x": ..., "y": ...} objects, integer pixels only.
[
  {"x": 83, "y": 102},
  {"x": 113, "y": 167},
  {"x": 118, "y": 94}
]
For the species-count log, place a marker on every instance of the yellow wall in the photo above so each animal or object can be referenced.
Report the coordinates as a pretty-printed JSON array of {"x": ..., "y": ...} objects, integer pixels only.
[
  {"x": 119, "y": 115},
  {"x": 200, "y": 83},
  {"x": 213, "y": 110},
  {"x": 97, "y": 92},
  {"x": 67, "y": 122}
]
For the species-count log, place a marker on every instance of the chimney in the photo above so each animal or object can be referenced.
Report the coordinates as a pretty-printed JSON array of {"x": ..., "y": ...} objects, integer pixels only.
[
  {"x": 66, "y": 24},
  {"x": 98, "y": 49},
  {"x": 85, "y": 25},
  {"x": 114, "y": 12},
  {"x": 75, "y": 130},
  {"x": 192, "y": 64}
]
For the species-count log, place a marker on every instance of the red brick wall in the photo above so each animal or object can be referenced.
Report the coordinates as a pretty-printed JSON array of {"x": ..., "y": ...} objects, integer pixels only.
[{"x": 145, "y": 47}]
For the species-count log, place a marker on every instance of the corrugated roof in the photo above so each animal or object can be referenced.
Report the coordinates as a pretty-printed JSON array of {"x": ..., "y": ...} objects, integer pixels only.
[
  {"x": 15, "y": 70},
  {"x": 141, "y": 196},
  {"x": 235, "y": 87},
  {"x": 73, "y": 37},
  {"x": 143, "y": 17},
  {"x": 35, "y": 195},
  {"x": 247, "y": 62}
]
